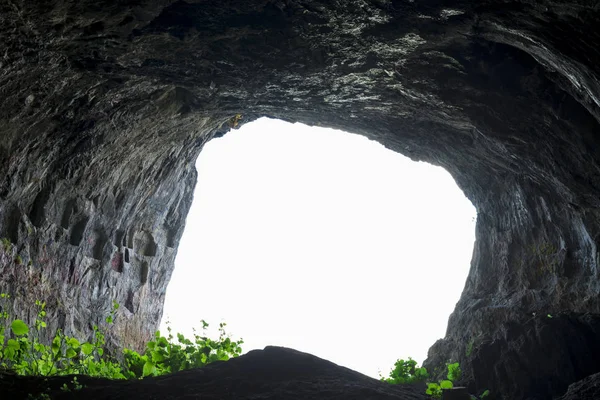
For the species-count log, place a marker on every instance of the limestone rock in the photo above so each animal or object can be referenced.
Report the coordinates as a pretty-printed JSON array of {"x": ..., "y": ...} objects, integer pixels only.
[
  {"x": 104, "y": 108},
  {"x": 588, "y": 388}
]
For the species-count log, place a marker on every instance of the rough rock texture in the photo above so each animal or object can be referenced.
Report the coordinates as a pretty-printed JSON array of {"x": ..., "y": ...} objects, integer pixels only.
[
  {"x": 104, "y": 107},
  {"x": 588, "y": 388},
  {"x": 571, "y": 350},
  {"x": 273, "y": 373}
]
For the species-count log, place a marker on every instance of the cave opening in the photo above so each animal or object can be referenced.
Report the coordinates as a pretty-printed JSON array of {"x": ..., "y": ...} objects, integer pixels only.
[{"x": 323, "y": 241}]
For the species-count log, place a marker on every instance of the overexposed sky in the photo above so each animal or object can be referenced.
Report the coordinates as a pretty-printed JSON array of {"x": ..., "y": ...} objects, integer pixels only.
[{"x": 322, "y": 241}]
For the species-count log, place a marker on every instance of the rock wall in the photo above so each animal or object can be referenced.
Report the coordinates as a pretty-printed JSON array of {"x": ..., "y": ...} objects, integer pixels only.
[{"x": 104, "y": 107}]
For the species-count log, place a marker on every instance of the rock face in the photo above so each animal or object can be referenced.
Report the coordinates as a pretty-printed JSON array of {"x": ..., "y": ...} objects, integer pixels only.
[
  {"x": 273, "y": 373},
  {"x": 105, "y": 106},
  {"x": 588, "y": 388}
]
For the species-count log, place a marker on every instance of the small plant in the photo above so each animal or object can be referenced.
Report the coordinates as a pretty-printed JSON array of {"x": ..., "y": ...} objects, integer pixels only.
[
  {"x": 164, "y": 355},
  {"x": 454, "y": 372},
  {"x": 435, "y": 389},
  {"x": 406, "y": 371},
  {"x": 18, "y": 260},
  {"x": 39, "y": 396},
  {"x": 470, "y": 347},
  {"x": 75, "y": 383},
  {"x": 235, "y": 121},
  {"x": 6, "y": 244},
  {"x": 485, "y": 394}
]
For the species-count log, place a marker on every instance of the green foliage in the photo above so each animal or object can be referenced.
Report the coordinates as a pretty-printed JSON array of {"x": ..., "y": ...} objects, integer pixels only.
[
  {"x": 24, "y": 354},
  {"x": 18, "y": 260},
  {"x": 485, "y": 394},
  {"x": 406, "y": 371},
  {"x": 19, "y": 327},
  {"x": 470, "y": 348},
  {"x": 39, "y": 396},
  {"x": 6, "y": 244},
  {"x": 454, "y": 372},
  {"x": 164, "y": 355},
  {"x": 75, "y": 383},
  {"x": 435, "y": 389}
]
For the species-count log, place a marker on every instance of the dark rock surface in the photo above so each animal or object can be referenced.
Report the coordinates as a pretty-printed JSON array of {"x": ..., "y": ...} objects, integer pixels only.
[
  {"x": 104, "y": 107},
  {"x": 588, "y": 388},
  {"x": 275, "y": 373},
  {"x": 571, "y": 351}
]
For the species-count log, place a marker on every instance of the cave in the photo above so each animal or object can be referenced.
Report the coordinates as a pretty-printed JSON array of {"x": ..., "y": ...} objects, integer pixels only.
[{"x": 105, "y": 107}]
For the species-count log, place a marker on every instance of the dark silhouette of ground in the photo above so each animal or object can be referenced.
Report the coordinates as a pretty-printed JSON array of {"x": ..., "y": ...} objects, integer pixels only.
[{"x": 275, "y": 373}]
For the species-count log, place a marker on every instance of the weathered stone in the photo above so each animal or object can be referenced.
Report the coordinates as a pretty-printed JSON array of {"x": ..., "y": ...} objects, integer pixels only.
[
  {"x": 456, "y": 393},
  {"x": 541, "y": 355},
  {"x": 588, "y": 388},
  {"x": 105, "y": 106}
]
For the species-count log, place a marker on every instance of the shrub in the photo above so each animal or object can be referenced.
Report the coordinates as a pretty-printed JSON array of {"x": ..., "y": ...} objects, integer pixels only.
[
  {"x": 406, "y": 371},
  {"x": 435, "y": 389},
  {"x": 164, "y": 355},
  {"x": 24, "y": 354}
]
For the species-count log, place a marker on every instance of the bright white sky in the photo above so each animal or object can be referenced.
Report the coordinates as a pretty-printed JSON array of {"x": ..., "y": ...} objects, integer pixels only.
[{"x": 322, "y": 241}]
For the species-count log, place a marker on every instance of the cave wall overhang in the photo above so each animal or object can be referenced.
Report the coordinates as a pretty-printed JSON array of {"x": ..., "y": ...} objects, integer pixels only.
[{"x": 105, "y": 108}]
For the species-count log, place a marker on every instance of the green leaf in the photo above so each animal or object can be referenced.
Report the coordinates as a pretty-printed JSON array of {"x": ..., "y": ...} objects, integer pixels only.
[
  {"x": 19, "y": 327},
  {"x": 13, "y": 344},
  {"x": 446, "y": 384},
  {"x": 55, "y": 344},
  {"x": 87, "y": 348},
  {"x": 454, "y": 372},
  {"x": 149, "y": 368},
  {"x": 432, "y": 389},
  {"x": 71, "y": 353}
]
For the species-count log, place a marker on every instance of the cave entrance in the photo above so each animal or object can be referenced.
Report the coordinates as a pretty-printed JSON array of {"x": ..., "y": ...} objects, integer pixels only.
[{"x": 322, "y": 241}]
